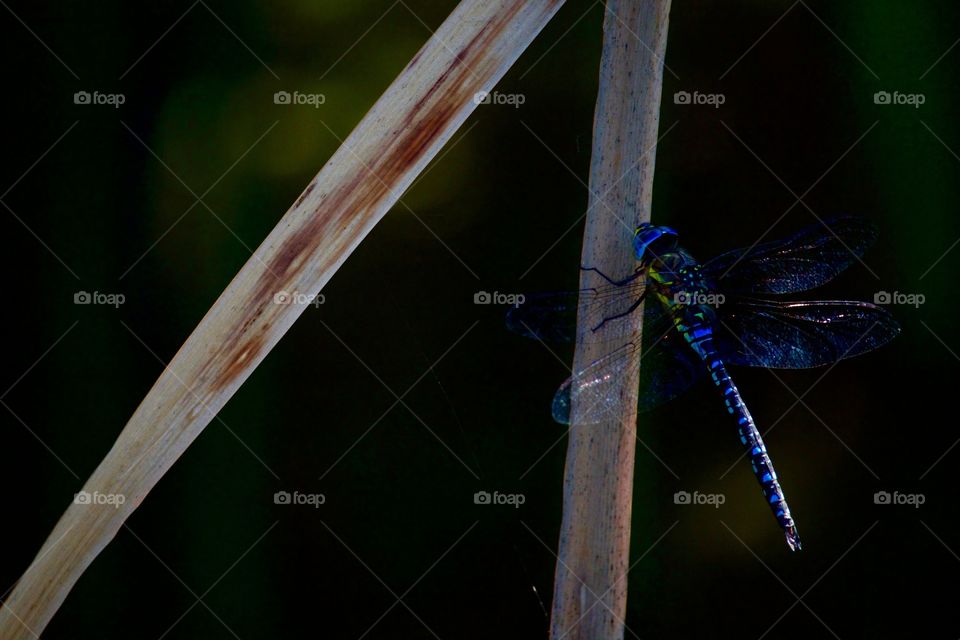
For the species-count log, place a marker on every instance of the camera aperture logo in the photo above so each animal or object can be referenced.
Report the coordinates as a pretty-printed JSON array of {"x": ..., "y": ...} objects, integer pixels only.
[
  {"x": 297, "y": 298},
  {"x": 296, "y": 98},
  {"x": 912, "y": 299},
  {"x": 699, "y": 297},
  {"x": 96, "y": 98},
  {"x": 910, "y": 499},
  {"x": 696, "y": 98},
  {"x": 97, "y": 498},
  {"x": 296, "y": 498},
  {"x": 696, "y": 498},
  {"x": 495, "y": 97},
  {"x": 485, "y": 297},
  {"x": 896, "y": 98},
  {"x": 110, "y": 299},
  {"x": 512, "y": 499}
]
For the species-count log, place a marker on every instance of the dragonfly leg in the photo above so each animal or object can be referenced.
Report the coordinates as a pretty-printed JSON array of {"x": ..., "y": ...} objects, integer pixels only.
[
  {"x": 632, "y": 308},
  {"x": 618, "y": 283}
]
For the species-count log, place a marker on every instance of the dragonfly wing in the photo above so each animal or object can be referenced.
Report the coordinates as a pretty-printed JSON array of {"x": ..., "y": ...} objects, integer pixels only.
[
  {"x": 805, "y": 260},
  {"x": 552, "y": 316},
  {"x": 799, "y": 335},
  {"x": 546, "y": 316},
  {"x": 667, "y": 368}
]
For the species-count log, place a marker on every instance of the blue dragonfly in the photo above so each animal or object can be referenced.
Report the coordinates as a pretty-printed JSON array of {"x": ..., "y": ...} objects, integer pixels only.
[{"x": 702, "y": 317}]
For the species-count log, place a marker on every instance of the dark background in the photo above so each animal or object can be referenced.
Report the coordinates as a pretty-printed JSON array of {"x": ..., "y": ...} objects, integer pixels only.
[{"x": 94, "y": 202}]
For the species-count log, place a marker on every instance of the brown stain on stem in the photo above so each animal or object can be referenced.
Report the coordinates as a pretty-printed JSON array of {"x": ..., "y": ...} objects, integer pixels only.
[
  {"x": 357, "y": 199},
  {"x": 245, "y": 323},
  {"x": 306, "y": 192}
]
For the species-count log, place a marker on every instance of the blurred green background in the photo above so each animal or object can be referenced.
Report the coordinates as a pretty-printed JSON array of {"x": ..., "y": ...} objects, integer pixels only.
[{"x": 103, "y": 198}]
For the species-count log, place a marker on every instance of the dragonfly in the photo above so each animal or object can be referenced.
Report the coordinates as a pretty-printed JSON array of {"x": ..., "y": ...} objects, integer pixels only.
[{"x": 701, "y": 318}]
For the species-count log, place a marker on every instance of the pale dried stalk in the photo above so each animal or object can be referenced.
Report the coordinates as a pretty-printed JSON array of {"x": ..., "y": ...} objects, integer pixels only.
[
  {"x": 404, "y": 130},
  {"x": 590, "y": 592}
]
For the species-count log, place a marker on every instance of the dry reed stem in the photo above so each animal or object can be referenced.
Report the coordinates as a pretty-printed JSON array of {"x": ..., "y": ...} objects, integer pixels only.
[
  {"x": 590, "y": 591},
  {"x": 403, "y": 131}
]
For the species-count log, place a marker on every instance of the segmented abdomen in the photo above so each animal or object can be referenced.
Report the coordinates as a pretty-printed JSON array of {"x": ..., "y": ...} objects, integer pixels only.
[{"x": 699, "y": 336}]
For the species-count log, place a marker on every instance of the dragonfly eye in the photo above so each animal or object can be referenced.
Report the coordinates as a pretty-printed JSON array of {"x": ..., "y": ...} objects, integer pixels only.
[{"x": 651, "y": 241}]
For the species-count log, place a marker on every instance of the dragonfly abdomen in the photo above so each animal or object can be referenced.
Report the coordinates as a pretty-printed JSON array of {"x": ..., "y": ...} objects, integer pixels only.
[
  {"x": 699, "y": 336},
  {"x": 756, "y": 450}
]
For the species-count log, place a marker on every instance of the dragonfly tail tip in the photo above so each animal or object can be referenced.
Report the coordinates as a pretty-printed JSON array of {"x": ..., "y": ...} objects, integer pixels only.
[{"x": 793, "y": 539}]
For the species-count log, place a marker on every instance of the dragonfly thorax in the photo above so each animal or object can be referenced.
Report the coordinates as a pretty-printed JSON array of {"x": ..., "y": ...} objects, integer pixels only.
[{"x": 678, "y": 275}]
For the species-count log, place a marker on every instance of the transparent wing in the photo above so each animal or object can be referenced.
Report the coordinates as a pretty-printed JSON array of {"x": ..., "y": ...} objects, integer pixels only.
[
  {"x": 552, "y": 316},
  {"x": 667, "y": 368},
  {"x": 799, "y": 335},
  {"x": 804, "y": 261}
]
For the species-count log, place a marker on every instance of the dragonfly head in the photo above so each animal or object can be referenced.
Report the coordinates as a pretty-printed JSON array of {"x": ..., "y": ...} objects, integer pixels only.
[{"x": 651, "y": 241}]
